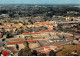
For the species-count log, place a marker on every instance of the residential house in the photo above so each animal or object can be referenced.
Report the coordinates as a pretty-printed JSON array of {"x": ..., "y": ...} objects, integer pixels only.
[
  {"x": 19, "y": 42},
  {"x": 30, "y": 25},
  {"x": 7, "y": 24},
  {"x": 47, "y": 49},
  {"x": 34, "y": 34},
  {"x": 48, "y": 33},
  {"x": 76, "y": 42},
  {"x": 0, "y": 30},
  {"x": 8, "y": 29},
  {"x": 57, "y": 39},
  {"x": 1, "y": 26},
  {"x": 17, "y": 25},
  {"x": 50, "y": 26},
  {"x": 5, "y": 53}
]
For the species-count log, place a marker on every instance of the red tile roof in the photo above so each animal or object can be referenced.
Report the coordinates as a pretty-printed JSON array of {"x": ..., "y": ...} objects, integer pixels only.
[
  {"x": 0, "y": 29},
  {"x": 50, "y": 24},
  {"x": 1, "y": 25},
  {"x": 8, "y": 23},
  {"x": 56, "y": 49},
  {"x": 47, "y": 47},
  {"x": 47, "y": 31},
  {"x": 9, "y": 28},
  {"x": 5, "y": 53},
  {"x": 38, "y": 32},
  {"x": 31, "y": 33},
  {"x": 17, "y": 42},
  {"x": 0, "y": 37},
  {"x": 59, "y": 46}
]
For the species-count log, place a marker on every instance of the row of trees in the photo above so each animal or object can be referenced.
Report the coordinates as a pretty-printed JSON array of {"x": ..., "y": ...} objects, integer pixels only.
[
  {"x": 28, "y": 52},
  {"x": 22, "y": 11}
]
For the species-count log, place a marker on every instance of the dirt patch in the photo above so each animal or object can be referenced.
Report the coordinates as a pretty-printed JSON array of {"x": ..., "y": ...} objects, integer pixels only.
[{"x": 68, "y": 49}]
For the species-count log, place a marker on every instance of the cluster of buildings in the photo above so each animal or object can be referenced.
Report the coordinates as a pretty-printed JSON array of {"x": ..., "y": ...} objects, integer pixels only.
[
  {"x": 11, "y": 26},
  {"x": 8, "y": 27},
  {"x": 42, "y": 40}
]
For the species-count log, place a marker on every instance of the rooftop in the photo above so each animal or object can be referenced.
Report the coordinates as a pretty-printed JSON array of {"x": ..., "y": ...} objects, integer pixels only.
[
  {"x": 31, "y": 33},
  {"x": 18, "y": 42},
  {"x": 5, "y": 53},
  {"x": 47, "y": 31}
]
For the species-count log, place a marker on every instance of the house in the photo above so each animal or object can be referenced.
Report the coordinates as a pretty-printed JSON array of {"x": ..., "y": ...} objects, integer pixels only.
[
  {"x": 17, "y": 36},
  {"x": 30, "y": 25},
  {"x": 4, "y": 15},
  {"x": 5, "y": 53},
  {"x": 79, "y": 39},
  {"x": 43, "y": 43},
  {"x": 38, "y": 24},
  {"x": 0, "y": 35},
  {"x": 8, "y": 29},
  {"x": 17, "y": 25},
  {"x": 1, "y": 26},
  {"x": 48, "y": 33},
  {"x": 19, "y": 42},
  {"x": 47, "y": 49},
  {"x": 50, "y": 26},
  {"x": 76, "y": 42},
  {"x": 0, "y": 30},
  {"x": 55, "y": 48},
  {"x": 7, "y": 24},
  {"x": 24, "y": 27},
  {"x": 20, "y": 24},
  {"x": 57, "y": 39},
  {"x": 14, "y": 29},
  {"x": 34, "y": 34}
]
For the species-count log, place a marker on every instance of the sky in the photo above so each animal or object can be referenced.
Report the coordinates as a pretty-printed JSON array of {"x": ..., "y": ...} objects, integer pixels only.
[{"x": 39, "y": 1}]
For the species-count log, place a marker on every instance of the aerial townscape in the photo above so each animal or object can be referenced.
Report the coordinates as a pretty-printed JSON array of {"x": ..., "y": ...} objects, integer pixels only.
[{"x": 39, "y": 30}]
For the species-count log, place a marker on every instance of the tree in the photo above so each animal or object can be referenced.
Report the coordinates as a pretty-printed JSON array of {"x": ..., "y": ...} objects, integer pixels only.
[
  {"x": 17, "y": 46},
  {"x": 30, "y": 21},
  {"x": 0, "y": 23},
  {"x": 71, "y": 19},
  {"x": 22, "y": 30},
  {"x": 26, "y": 51},
  {"x": 42, "y": 54},
  {"x": 26, "y": 44},
  {"x": 75, "y": 51},
  {"x": 52, "y": 53},
  {"x": 60, "y": 27},
  {"x": 34, "y": 53},
  {"x": 3, "y": 31},
  {"x": 63, "y": 37}
]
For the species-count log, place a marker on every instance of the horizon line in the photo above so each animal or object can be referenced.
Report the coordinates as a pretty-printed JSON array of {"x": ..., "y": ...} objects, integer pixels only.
[{"x": 40, "y": 4}]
